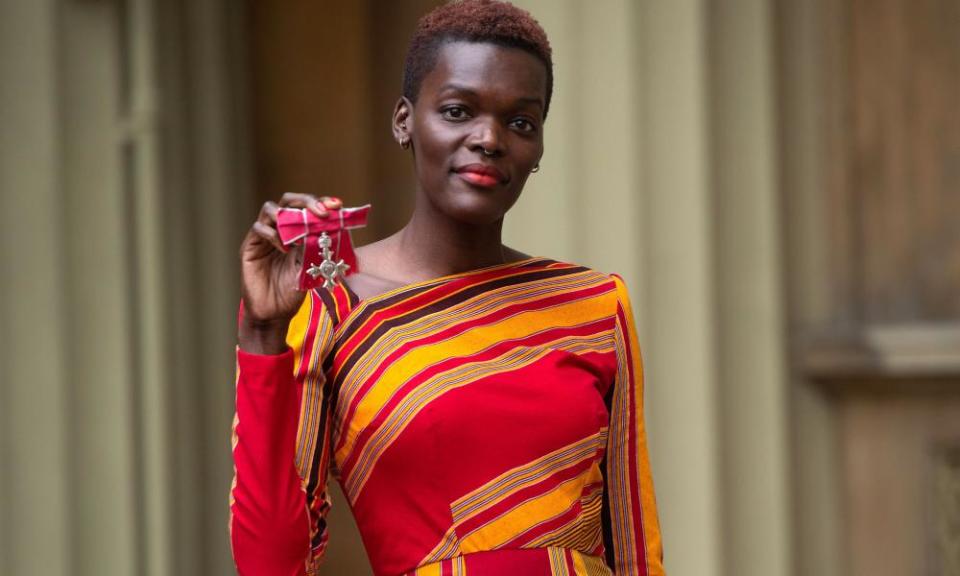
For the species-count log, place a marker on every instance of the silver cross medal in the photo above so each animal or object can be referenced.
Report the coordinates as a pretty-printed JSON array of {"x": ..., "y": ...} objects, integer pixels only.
[{"x": 328, "y": 268}]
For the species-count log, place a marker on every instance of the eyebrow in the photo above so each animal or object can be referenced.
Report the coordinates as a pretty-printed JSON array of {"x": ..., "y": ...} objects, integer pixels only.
[{"x": 471, "y": 92}]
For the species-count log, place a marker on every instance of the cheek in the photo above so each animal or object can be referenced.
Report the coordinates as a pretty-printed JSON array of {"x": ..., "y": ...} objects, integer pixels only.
[{"x": 436, "y": 145}]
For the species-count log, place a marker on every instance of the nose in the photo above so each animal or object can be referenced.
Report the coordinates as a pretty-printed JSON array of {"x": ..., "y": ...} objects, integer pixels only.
[{"x": 486, "y": 139}]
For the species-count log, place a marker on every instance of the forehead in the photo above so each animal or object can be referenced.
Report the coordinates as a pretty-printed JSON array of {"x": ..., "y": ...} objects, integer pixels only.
[{"x": 487, "y": 68}]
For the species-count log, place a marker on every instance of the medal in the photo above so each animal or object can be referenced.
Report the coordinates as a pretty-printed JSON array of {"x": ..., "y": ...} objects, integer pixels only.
[
  {"x": 327, "y": 268},
  {"x": 327, "y": 246}
]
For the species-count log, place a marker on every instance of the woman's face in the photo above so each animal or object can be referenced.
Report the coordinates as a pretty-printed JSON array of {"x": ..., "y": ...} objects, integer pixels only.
[{"x": 476, "y": 129}]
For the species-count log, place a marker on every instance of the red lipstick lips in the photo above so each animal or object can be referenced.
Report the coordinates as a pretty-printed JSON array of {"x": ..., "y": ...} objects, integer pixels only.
[{"x": 481, "y": 175}]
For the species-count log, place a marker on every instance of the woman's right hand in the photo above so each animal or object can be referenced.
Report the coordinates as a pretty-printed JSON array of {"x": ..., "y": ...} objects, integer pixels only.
[{"x": 269, "y": 272}]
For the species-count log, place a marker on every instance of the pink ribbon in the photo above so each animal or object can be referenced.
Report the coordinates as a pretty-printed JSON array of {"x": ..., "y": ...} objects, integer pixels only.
[{"x": 300, "y": 226}]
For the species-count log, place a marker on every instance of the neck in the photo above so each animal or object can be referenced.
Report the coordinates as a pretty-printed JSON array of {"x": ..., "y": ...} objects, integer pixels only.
[{"x": 434, "y": 245}]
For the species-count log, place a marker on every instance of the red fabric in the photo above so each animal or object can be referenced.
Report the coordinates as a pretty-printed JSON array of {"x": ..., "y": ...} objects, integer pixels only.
[
  {"x": 420, "y": 461},
  {"x": 300, "y": 226},
  {"x": 269, "y": 528},
  {"x": 513, "y": 561}
]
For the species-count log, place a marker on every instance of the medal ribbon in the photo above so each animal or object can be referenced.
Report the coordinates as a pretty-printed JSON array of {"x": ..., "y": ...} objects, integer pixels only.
[{"x": 300, "y": 226}]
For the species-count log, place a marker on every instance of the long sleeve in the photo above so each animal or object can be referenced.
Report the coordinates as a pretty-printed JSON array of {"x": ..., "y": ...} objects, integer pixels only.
[
  {"x": 278, "y": 499},
  {"x": 633, "y": 531}
]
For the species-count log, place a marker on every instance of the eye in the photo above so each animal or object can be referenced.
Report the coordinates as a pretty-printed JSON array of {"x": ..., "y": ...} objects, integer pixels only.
[
  {"x": 525, "y": 125},
  {"x": 454, "y": 113}
]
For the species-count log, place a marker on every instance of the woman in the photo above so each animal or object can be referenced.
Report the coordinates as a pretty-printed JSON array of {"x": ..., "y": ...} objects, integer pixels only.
[{"x": 481, "y": 408}]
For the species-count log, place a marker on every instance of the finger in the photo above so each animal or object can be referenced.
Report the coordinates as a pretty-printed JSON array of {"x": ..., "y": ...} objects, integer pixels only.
[
  {"x": 319, "y": 209},
  {"x": 270, "y": 235},
  {"x": 251, "y": 242},
  {"x": 295, "y": 199},
  {"x": 269, "y": 213},
  {"x": 255, "y": 247},
  {"x": 331, "y": 202},
  {"x": 308, "y": 201}
]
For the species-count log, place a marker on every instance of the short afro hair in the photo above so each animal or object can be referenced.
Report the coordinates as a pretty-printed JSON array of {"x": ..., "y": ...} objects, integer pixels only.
[{"x": 490, "y": 21}]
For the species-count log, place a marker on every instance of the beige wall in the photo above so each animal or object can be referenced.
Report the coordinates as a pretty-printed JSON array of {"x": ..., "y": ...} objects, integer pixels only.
[
  {"x": 815, "y": 454},
  {"x": 117, "y": 304},
  {"x": 32, "y": 381}
]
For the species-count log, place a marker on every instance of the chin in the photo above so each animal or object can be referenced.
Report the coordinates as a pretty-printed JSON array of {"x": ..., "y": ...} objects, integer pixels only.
[
  {"x": 476, "y": 213},
  {"x": 476, "y": 208}
]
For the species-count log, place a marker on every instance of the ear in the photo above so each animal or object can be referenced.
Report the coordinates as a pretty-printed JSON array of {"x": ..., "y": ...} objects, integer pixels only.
[{"x": 403, "y": 121}]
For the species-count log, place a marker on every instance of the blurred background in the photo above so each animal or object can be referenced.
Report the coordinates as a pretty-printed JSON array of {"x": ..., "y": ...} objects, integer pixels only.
[{"x": 778, "y": 182}]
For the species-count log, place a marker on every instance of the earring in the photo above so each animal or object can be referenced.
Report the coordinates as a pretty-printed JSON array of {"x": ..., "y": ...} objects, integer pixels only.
[
  {"x": 536, "y": 168},
  {"x": 404, "y": 143}
]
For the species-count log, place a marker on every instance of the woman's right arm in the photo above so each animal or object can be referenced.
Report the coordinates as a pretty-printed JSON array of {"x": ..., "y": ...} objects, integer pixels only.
[{"x": 270, "y": 527}]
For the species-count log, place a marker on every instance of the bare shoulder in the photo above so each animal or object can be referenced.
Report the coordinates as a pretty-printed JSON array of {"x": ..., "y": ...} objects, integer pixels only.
[
  {"x": 372, "y": 258},
  {"x": 373, "y": 270},
  {"x": 514, "y": 255}
]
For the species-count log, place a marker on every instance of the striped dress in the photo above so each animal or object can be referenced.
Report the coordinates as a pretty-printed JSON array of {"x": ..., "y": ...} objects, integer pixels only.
[{"x": 483, "y": 423}]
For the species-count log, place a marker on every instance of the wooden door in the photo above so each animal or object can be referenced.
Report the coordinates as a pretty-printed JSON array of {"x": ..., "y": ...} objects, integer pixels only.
[{"x": 886, "y": 354}]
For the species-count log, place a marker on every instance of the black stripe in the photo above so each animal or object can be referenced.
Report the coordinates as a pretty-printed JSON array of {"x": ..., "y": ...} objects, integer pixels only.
[
  {"x": 329, "y": 304},
  {"x": 605, "y": 520},
  {"x": 321, "y": 447}
]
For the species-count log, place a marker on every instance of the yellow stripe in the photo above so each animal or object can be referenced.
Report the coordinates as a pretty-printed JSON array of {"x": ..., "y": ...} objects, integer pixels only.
[
  {"x": 459, "y": 565},
  {"x": 586, "y": 565},
  {"x": 650, "y": 525},
  {"x": 520, "y": 477},
  {"x": 478, "y": 306},
  {"x": 445, "y": 548},
  {"x": 359, "y": 475},
  {"x": 467, "y": 343},
  {"x": 528, "y": 514},
  {"x": 579, "y": 568},
  {"x": 558, "y": 564},
  {"x": 429, "y": 570},
  {"x": 406, "y": 410},
  {"x": 297, "y": 331}
]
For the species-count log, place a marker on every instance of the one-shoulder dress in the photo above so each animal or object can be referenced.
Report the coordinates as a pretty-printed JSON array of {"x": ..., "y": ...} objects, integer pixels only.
[{"x": 484, "y": 423}]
